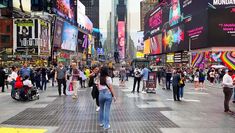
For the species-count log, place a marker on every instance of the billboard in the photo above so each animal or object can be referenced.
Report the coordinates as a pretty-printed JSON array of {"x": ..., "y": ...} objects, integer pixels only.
[
  {"x": 121, "y": 39},
  {"x": 221, "y": 27},
  {"x": 65, "y": 9},
  {"x": 25, "y": 35},
  {"x": 156, "y": 44},
  {"x": 45, "y": 46},
  {"x": 173, "y": 39},
  {"x": 57, "y": 33},
  {"x": 69, "y": 37},
  {"x": 23, "y": 5}
]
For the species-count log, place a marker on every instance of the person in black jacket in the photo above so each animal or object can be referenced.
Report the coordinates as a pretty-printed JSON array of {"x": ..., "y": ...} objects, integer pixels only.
[
  {"x": 168, "y": 79},
  {"x": 175, "y": 85},
  {"x": 93, "y": 83},
  {"x": 2, "y": 78}
]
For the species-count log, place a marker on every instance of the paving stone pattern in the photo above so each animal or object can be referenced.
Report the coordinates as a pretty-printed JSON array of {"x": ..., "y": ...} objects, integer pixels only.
[{"x": 73, "y": 116}]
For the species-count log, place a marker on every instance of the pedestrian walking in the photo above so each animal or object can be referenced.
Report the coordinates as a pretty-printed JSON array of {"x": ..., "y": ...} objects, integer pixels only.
[
  {"x": 12, "y": 79},
  {"x": 52, "y": 76},
  {"x": 202, "y": 78},
  {"x": 60, "y": 76},
  {"x": 196, "y": 79},
  {"x": 159, "y": 74},
  {"x": 37, "y": 77},
  {"x": 181, "y": 85},
  {"x": 145, "y": 75},
  {"x": 233, "y": 77},
  {"x": 25, "y": 70},
  {"x": 137, "y": 79},
  {"x": 122, "y": 73},
  {"x": 228, "y": 85},
  {"x": 75, "y": 75},
  {"x": 175, "y": 85},
  {"x": 106, "y": 95},
  {"x": 212, "y": 76},
  {"x": 2, "y": 78},
  {"x": 168, "y": 79},
  {"x": 44, "y": 78},
  {"x": 94, "y": 80}
]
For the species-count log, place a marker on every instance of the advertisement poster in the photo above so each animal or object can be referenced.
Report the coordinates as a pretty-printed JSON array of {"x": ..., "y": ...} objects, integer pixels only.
[
  {"x": 121, "y": 39},
  {"x": 221, "y": 27},
  {"x": 152, "y": 80},
  {"x": 173, "y": 39},
  {"x": 147, "y": 44},
  {"x": 69, "y": 37},
  {"x": 25, "y": 36},
  {"x": 65, "y": 8},
  {"x": 156, "y": 44},
  {"x": 23, "y": 5},
  {"x": 45, "y": 38},
  {"x": 175, "y": 13},
  {"x": 57, "y": 33}
]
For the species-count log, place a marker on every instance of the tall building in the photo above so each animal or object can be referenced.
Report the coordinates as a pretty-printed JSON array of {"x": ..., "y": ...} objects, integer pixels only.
[
  {"x": 92, "y": 11},
  {"x": 146, "y": 6}
]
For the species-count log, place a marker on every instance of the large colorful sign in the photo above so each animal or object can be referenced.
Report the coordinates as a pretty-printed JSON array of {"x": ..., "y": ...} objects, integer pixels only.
[
  {"x": 221, "y": 27},
  {"x": 121, "y": 39},
  {"x": 57, "y": 33},
  {"x": 25, "y": 37},
  {"x": 65, "y": 8},
  {"x": 45, "y": 46},
  {"x": 69, "y": 37},
  {"x": 156, "y": 44}
]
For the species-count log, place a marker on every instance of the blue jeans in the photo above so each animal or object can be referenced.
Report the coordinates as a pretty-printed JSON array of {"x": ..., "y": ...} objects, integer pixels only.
[
  {"x": 105, "y": 100},
  {"x": 44, "y": 84},
  {"x": 181, "y": 91},
  {"x": 234, "y": 94}
]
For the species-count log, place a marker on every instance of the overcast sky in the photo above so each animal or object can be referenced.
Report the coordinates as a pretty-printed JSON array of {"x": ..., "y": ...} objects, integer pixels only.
[{"x": 133, "y": 11}]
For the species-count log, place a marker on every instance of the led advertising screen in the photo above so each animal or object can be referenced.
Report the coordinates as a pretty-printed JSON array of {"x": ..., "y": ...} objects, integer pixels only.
[
  {"x": 23, "y": 5},
  {"x": 121, "y": 39},
  {"x": 156, "y": 44},
  {"x": 57, "y": 33},
  {"x": 45, "y": 37},
  {"x": 65, "y": 9},
  {"x": 155, "y": 20},
  {"x": 25, "y": 34},
  {"x": 221, "y": 27},
  {"x": 69, "y": 37},
  {"x": 173, "y": 39},
  {"x": 196, "y": 30}
]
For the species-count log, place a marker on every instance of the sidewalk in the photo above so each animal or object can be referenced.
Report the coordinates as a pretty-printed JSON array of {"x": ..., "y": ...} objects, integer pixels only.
[{"x": 200, "y": 112}]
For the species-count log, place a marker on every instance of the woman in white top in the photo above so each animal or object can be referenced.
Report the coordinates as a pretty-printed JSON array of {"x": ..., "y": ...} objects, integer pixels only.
[
  {"x": 12, "y": 77},
  {"x": 106, "y": 94}
]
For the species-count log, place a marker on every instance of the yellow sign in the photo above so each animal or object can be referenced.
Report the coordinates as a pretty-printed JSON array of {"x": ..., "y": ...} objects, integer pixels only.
[
  {"x": 147, "y": 46},
  {"x": 21, "y": 130},
  {"x": 170, "y": 58},
  {"x": 139, "y": 55}
]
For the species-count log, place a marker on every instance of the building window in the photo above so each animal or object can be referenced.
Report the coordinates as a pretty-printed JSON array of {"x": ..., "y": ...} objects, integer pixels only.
[
  {"x": 8, "y": 28},
  {"x": 5, "y": 38}
]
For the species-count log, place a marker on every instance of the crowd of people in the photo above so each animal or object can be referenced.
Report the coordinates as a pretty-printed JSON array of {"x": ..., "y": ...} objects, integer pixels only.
[{"x": 100, "y": 78}]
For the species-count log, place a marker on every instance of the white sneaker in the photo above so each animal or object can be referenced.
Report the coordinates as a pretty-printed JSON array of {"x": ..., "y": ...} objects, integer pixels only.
[
  {"x": 143, "y": 92},
  {"x": 107, "y": 127},
  {"x": 97, "y": 109},
  {"x": 101, "y": 125}
]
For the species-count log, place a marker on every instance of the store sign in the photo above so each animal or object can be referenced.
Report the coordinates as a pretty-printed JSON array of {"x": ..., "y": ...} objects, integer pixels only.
[
  {"x": 170, "y": 58},
  {"x": 177, "y": 57}
]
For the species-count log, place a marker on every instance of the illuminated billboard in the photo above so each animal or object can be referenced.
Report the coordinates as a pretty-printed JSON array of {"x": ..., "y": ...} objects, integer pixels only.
[
  {"x": 65, "y": 9},
  {"x": 69, "y": 37},
  {"x": 156, "y": 44},
  {"x": 121, "y": 39}
]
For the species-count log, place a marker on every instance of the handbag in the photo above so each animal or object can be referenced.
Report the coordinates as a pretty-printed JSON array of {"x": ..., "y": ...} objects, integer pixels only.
[{"x": 70, "y": 86}]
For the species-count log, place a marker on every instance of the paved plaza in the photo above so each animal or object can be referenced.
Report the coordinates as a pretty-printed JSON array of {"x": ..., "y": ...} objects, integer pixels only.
[{"x": 199, "y": 112}]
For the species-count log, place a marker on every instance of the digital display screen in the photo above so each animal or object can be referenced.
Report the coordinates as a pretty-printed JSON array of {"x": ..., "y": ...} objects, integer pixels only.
[
  {"x": 155, "y": 19},
  {"x": 57, "y": 33},
  {"x": 221, "y": 27},
  {"x": 173, "y": 39},
  {"x": 65, "y": 9},
  {"x": 121, "y": 38},
  {"x": 69, "y": 37},
  {"x": 156, "y": 44}
]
